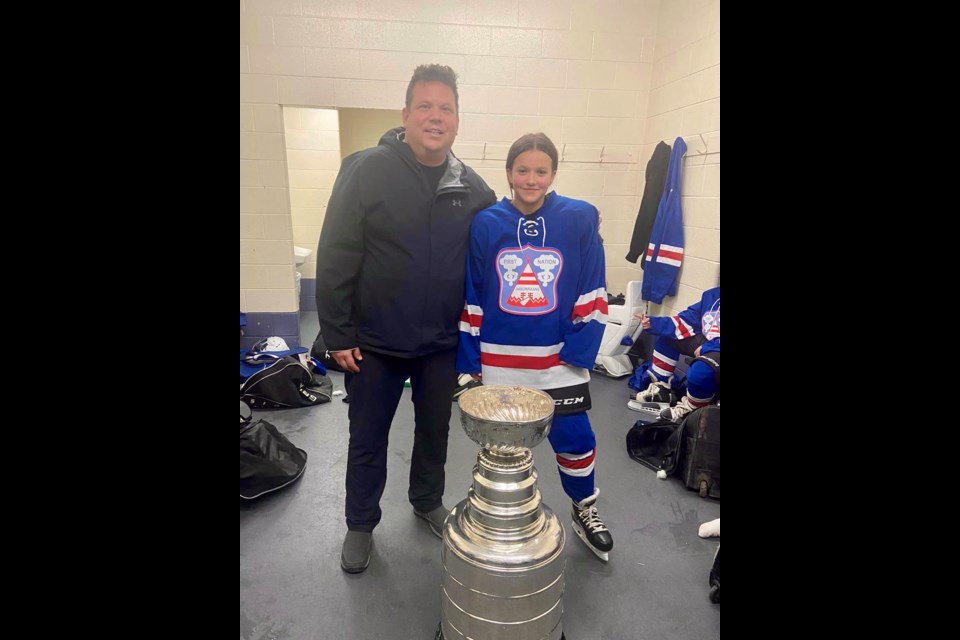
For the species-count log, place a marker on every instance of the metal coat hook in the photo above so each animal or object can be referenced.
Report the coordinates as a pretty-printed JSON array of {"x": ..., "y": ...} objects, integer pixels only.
[
  {"x": 601, "y": 153},
  {"x": 563, "y": 151},
  {"x": 483, "y": 154},
  {"x": 704, "y": 143}
]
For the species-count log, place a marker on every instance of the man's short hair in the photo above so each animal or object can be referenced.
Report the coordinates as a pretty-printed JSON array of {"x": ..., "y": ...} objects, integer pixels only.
[{"x": 434, "y": 73}]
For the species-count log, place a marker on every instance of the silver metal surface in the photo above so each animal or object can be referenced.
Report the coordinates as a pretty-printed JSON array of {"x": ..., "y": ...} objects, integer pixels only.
[
  {"x": 506, "y": 418},
  {"x": 502, "y": 548}
]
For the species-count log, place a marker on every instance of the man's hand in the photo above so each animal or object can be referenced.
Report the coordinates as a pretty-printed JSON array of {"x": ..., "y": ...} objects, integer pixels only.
[
  {"x": 696, "y": 353},
  {"x": 348, "y": 359}
]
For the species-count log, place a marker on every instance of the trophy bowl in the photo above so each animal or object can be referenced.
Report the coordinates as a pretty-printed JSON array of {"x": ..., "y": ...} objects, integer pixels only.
[{"x": 506, "y": 418}]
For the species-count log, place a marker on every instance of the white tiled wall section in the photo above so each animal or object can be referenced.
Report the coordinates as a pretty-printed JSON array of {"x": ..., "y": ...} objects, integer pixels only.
[
  {"x": 288, "y": 160},
  {"x": 583, "y": 71},
  {"x": 313, "y": 159},
  {"x": 684, "y": 100}
]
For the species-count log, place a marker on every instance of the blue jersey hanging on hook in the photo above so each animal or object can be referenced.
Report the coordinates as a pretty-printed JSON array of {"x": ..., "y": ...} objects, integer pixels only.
[{"x": 665, "y": 251}]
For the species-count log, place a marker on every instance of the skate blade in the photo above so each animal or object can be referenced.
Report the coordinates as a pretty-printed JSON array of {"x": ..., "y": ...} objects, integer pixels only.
[
  {"x": 603, "y": 555},
  {"x": 653, "y": 408}
]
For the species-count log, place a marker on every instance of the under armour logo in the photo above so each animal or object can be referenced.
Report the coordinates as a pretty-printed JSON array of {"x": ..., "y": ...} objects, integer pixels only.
[
  {"x": 457, "y": 203},
  {"x": 530, "y": 228}
]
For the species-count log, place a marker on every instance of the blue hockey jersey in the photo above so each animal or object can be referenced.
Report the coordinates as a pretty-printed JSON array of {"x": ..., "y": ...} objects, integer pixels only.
[
  {"x": 702, "y": 318},
  {"x": 665, "y": 252},
  {"x": 536, "y": 298}
]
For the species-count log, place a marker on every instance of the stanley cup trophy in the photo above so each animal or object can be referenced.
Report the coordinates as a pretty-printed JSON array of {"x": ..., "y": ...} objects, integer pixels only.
[{"x": 502, "y": 549}]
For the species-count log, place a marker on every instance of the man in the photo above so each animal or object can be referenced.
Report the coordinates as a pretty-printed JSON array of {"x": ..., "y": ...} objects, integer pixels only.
[{"x": 390, "y": 288}]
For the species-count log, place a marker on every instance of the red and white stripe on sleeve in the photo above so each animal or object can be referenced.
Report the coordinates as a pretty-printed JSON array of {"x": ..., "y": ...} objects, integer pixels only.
[
  {"x": 591, "y": 306},
  {"x": 671, "y": 255},
  {"x": 680, "y": 328},
  {"x": 470, "y": 319}
]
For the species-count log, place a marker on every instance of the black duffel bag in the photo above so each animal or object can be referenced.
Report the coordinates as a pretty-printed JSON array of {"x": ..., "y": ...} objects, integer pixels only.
[
  {"x": 268, "y": 461},
  {"x": 286, "y": 384}
]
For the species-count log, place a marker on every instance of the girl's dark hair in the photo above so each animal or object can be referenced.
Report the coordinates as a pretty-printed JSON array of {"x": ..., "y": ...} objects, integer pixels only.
[{"x": 533, "y": 142}]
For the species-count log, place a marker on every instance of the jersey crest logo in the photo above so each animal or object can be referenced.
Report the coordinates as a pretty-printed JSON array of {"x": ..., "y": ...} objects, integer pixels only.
[
  {"x": 710, "y": 324},
  {"x": 528, "y": 280}
]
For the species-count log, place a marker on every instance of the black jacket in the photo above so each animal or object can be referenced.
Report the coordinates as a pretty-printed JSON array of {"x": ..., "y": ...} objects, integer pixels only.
[
  {"x": 392, "y": 253},
  {"x": 652, "y": 192}
]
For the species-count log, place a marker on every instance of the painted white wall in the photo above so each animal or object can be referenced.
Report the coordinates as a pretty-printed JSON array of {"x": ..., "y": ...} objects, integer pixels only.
[
  {"x": 588, "y": 73},
  {"x": 362, "y": 128},
  {"x": 685, "y": 101},
  {"x": 312, "y": 139}
]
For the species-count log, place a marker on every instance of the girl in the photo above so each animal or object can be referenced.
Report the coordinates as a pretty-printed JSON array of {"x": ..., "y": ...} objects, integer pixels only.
[{"x": 536, "y": 305}]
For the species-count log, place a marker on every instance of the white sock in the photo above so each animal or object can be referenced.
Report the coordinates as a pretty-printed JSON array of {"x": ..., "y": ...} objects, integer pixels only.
[{"x": 710, "y": 529}]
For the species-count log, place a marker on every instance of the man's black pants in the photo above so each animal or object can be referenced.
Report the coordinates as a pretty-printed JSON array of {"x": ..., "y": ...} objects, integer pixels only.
[{"x": 374, "y": 395}]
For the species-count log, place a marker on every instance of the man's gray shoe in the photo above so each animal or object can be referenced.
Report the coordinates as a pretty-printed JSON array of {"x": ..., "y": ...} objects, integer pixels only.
[
  {"x": 436, "y": 519},
  {"x": 355, "y": 556}
]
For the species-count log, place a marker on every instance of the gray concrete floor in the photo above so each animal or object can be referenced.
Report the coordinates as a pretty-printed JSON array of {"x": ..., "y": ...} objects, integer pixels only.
[{"x": 292, "y": 587}]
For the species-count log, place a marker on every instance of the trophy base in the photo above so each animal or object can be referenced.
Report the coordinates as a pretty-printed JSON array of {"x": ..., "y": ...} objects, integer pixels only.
[{"x": 439, "y": 635}]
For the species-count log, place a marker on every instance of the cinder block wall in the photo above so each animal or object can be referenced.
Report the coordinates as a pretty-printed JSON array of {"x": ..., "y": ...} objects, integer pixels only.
[{"x": 605, "y": 79}]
